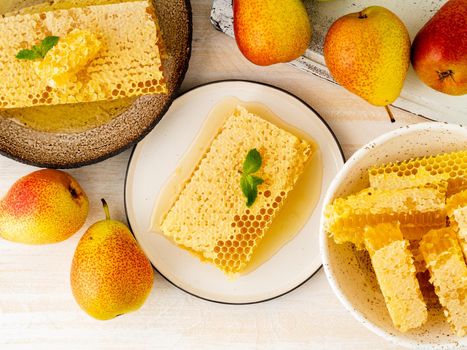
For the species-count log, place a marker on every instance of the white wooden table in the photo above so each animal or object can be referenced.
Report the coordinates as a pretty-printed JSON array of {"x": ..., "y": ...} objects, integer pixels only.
[{"x": 37, "y": 309}]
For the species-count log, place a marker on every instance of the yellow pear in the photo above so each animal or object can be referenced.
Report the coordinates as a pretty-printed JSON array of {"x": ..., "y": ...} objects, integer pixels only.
[
  {"x": 46, "y": 206},
  {"x": 368, "y": 53},
  {"x": 271, "y": 31},
  {"x": 110, "y": 275}
]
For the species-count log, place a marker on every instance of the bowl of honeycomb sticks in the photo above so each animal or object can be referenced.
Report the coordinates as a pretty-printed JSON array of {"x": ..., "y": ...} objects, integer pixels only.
[{"x": 393, "y": 236}]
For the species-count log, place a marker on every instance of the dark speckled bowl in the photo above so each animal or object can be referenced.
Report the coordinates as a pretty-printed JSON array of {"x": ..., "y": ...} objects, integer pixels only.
[
  {"x": 349, "y": 272},
  {"x": 70, "y": 150}
]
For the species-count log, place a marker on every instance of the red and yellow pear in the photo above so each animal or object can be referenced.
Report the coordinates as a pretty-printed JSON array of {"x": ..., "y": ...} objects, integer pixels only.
[
  {"x": 368, "y": 53},
  {"x": 110, "y": 275},
  {"x": 439, "y": 50},
  {"x": 271, "y": 31},
  {"x": 46, "y": 206}
]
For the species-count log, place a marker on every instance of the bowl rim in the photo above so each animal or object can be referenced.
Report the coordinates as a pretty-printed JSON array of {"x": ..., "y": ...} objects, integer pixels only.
[{"x": 323, "y": 237}]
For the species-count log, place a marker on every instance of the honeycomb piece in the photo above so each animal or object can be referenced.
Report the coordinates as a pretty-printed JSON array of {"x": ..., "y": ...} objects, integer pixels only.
[
  {"x": 210, "y": 216},
  {"x": 450, "y": 167},
  {"x": 129, "y": 63},
  {"x": 444, "y": 259},
  {"x": 52, "y": 5},
  {"x": 456, "y": 207},
  {"x": 419, "y": 207},
  {"x": 68, "y": 57},
  {"x": 393, "y": 265}
]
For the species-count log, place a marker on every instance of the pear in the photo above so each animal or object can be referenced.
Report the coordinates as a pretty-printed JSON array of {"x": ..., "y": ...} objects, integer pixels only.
[
  {"x": 271, "y": 31},
  {"x": 368, "y": 53},
  {"x": 46, "y": 206},
  {"x": 439, "y": 50},
  {"x": 110, "y": 275}
]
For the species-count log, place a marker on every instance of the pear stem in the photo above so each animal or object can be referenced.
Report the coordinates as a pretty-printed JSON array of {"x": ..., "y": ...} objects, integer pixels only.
[
  {"x": 391, "y": 116},
  {"x": 106, "y": 209}
]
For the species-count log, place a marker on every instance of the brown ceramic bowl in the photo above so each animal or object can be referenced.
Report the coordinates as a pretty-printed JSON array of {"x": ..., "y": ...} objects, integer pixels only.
[{"x": 78, "y": 148}]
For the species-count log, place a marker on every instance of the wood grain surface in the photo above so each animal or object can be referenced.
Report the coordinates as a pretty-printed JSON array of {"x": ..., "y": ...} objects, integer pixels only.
[{"x": 37, "y": 309}]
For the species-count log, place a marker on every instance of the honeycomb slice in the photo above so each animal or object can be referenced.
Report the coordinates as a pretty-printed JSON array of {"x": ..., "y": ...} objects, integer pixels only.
[
  {"x": 52, "y": 5},
  {"x": 419, "y": 207},
  {"x": 210, "y": 216},
  {"x": 444, "y": 259},
  {"x": 450, "y": 167},
  {"x": 129, "y": 63},
  {"x": 456, "y": 207},
  {"x": 393, "y": 265},
  {"x": 72, "y": 54}
]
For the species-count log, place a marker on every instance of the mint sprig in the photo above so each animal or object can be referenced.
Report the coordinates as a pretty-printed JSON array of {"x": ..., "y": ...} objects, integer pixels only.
[
  {"x": 38, "y": 51},
  {"x": 248, "y": 182}
]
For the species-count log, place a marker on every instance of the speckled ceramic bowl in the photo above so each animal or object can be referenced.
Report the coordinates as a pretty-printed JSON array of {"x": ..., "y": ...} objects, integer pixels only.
[
  {"x": 74, "y": 149},
  {"x": 349, "y": 272}
]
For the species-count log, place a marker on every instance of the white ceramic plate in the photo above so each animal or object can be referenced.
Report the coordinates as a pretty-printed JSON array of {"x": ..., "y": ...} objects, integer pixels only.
[
  {"x": 354, "y": 282},
  {"x": 155, "y": 159}
]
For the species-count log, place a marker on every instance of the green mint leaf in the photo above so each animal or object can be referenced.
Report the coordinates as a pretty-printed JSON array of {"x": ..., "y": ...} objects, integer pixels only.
[
  {"x": 248, "y": 182},
  {"x": 249, "y": 185},
  {"x": 256, "y": 180},
  {"x": 28, "y": 55},
  {"x": 249, "y": 189},
  {"x": 245, "y": 186},
  {"x": 252, "y": 162},
  {"x": 38, "y": 51},
  {"x": 47, "y": 44}
]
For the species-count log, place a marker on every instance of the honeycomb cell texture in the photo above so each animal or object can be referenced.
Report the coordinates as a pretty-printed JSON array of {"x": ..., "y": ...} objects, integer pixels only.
[
  {"x": 414, "y": 208},
  {"x": 128, "y": 64},
  {"x": 210, "y": 216},
  {"x": 71, "y": 54},
  {"x": 443, "y": 256},
  {"x": 392, "y": 262},
  {"x": 456, "y": 207},
  {"x": 450, "y": 167}
]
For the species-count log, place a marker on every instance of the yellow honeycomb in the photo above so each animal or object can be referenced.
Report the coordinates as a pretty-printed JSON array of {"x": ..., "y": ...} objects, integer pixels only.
[
  {"x": 381, "y": 235},
  {"x": 128, "y": 64},
  {"x": 450, "y": 167},
  {"x": 393, "y": 265},
  {"x": 414, "y": 208},
  {"x": 443, "y": 256},
  {"x": 210, "y": 217},
  {"x": 68, "y": 57}
]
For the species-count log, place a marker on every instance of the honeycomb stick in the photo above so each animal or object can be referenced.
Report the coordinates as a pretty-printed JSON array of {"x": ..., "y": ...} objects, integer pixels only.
[
  {"x": 450, "y": 167},
  {"x": 444, "y": 259},
  {"x": 210, "y": 216},
  {"x": 393, "y": 265},
  {"x": 418, "y": 208}
]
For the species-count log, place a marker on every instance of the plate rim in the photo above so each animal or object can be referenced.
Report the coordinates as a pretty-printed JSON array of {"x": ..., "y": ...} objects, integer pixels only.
[
  {"x": 125, "y": 198},
  {"x": 139, "y": 138}
]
